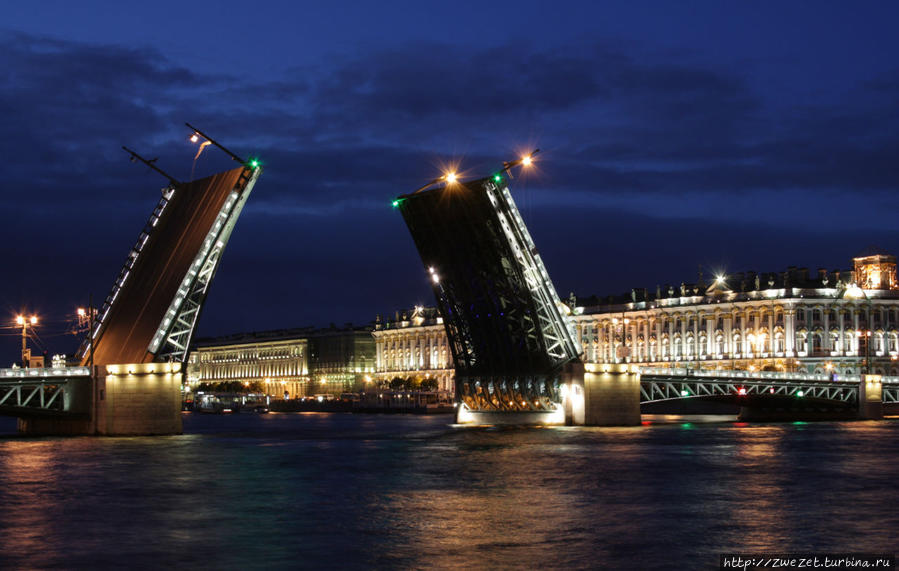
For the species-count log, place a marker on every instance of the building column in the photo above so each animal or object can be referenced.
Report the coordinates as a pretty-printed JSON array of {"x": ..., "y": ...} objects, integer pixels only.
[{"x": 789, "y": 332}]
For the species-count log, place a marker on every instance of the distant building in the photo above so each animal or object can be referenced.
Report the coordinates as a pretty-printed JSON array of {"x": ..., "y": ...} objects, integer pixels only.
[
  {"x": 829, "y": 321},
  {"x": 839, "y": 321},
  {"x": 413, "y": 345},
  {"x": 299, "y": 362},
  {"x": 832, "y": 321}
]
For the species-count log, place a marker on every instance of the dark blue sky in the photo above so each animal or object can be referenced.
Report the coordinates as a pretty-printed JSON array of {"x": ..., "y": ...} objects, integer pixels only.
[{"x": 675, "y": 134}]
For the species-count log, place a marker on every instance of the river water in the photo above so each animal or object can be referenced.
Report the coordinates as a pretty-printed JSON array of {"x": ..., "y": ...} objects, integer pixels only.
[{"x": 347, "y": 491}]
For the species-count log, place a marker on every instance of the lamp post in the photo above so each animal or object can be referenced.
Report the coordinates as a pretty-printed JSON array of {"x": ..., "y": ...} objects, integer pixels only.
[{"x": 25, "y": 322}]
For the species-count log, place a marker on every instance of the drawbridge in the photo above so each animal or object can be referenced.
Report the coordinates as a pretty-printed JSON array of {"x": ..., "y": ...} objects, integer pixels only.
[
  {"x": 507, "y": 329},
  {"x": 514, "y": 345},
  {"x": 154, "y": 305},
  {"x": 136, "y": 348}
]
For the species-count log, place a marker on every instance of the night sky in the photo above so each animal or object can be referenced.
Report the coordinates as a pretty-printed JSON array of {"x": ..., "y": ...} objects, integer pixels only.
[{"x": 674, "y": 135}]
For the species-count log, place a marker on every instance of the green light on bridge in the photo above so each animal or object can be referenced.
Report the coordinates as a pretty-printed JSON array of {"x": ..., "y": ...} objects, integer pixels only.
[
  {"x": 684, "y": 393},
  {"x": 800, "y": 394}
]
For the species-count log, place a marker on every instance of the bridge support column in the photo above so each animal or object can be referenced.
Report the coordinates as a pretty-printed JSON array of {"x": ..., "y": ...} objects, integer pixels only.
[
  {"x": 138, "y": 399},
  {"x": 870, "y": 398},
  {"x": 573, "y": 400},
  {"x": 611, "y": 395}
]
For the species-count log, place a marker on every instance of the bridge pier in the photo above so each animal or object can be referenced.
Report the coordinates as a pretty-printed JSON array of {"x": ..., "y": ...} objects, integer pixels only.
[
  {"x": 610, "y": 394},
  {"x": 138, "y": 399},
  {"x": 870, "y": 398},
  {"x": 119, "y": 400}
]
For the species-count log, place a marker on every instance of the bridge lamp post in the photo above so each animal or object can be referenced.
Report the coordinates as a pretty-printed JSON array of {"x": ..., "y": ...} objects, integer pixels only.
[{"x": 25, "y": 322}]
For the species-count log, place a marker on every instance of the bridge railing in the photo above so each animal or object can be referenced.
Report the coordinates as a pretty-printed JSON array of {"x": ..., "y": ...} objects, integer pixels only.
[
  {"x": 43, "y": 373},
  {"x": 47, "y": 390}
]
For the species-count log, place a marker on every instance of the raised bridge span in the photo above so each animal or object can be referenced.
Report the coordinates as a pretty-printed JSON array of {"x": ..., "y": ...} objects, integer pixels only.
[
  {"x": 516, "y": 357},
  {"x": 132, "y": 360}
]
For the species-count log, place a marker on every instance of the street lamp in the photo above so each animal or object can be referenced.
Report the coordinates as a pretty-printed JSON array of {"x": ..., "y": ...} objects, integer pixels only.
[{"x": 25, "y": 322}]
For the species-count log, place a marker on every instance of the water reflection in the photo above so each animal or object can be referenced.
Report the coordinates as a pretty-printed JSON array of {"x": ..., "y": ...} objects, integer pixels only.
[
  {"x": 28, "y": 498},
  {"x": 349, "y": 491}
]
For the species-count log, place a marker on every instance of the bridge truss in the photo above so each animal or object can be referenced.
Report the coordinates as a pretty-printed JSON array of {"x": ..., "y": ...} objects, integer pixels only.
[
  {"x": 38, "y": 391},
  {"x": 891, "y": 393},
  {"x": 654, "y": 389}
]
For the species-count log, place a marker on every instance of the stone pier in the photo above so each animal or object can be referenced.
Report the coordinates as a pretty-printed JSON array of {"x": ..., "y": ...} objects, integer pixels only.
[
  {"x": 611, "y": 395},
  {"x": 123, "y": 400},
  {"x": 870, "y": 398}
]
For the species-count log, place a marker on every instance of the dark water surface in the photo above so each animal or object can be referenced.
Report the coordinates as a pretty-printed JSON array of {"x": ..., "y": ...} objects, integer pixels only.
[{"x": 358, "y": 491}]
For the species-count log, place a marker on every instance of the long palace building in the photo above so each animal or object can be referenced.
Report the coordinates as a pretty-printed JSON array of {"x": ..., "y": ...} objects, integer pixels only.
[
  {"x": 298, "y": 362},
  {"x": 829, "y": 321},
  {"x": 826, "y": 321}
]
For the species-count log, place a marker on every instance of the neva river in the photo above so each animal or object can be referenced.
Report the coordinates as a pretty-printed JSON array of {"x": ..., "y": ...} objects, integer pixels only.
[{"x": 364, "y": 491}]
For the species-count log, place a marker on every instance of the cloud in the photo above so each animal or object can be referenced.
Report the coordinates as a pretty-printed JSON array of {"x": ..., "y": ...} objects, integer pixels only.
[{"x": 634, "y": 144}]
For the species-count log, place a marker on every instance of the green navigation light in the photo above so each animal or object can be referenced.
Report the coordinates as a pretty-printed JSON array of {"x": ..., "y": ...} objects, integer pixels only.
[
  {"x": 497, "y": 177},
  {"x": 396, "y": 203},
  {"x": 254, "y": 163},
  {"x": 800, "y": 394}
]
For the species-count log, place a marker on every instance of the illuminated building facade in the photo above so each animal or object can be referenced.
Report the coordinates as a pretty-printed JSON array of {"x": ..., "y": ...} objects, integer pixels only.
[
  {"x": 413, "y": 345},
  {"x": 787, "y": 321},
  {"x": 832, "y": 321},
  {"x": 299, "y": 362}
]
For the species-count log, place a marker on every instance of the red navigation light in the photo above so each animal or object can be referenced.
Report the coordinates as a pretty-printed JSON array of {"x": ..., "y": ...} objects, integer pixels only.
[{"x": 741, "y": 391}]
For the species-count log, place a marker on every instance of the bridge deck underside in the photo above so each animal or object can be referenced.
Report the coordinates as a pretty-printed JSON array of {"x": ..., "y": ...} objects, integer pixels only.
[
  {"x": 503, "y": 334},
  {"x": 165, "y": 259}
]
